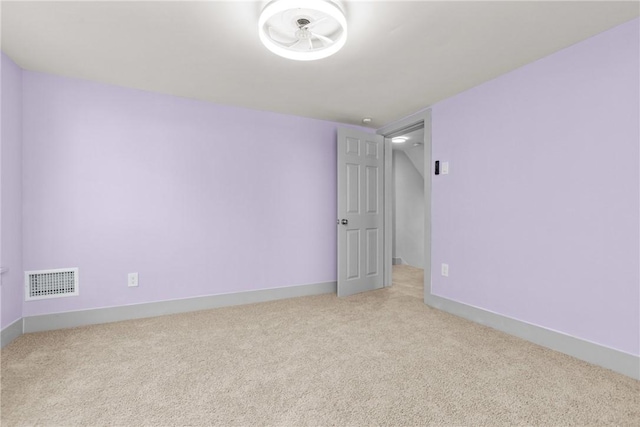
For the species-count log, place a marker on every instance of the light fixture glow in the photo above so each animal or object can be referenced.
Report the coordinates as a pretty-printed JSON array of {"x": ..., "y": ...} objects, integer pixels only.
[
  {"x": 399, "y": 139},
  {"x": 329, "y": 9}
]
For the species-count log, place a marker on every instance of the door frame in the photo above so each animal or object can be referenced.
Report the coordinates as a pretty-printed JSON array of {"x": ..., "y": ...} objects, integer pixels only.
[{"x": 396, "y": 128}]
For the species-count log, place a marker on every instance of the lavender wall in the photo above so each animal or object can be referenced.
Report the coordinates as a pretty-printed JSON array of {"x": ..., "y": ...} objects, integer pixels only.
[
  {"x": 197, "y": 198},
  {"x": 11, "y": 197},
  {"x": 538, "y": 219}
]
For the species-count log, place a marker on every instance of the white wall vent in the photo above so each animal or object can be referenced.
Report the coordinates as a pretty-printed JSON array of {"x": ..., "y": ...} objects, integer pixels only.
[{"x": 45, "y": 284}]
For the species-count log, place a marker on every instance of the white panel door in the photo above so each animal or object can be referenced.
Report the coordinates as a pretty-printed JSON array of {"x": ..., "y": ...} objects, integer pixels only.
[{"x": 360, "y": 211}]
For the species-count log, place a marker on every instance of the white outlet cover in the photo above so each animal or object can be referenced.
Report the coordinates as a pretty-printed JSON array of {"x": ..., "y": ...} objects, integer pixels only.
[
  {"x": 445, "y": 270},
  {"x": 132, "y": 280},
  {"x": 445, "y": 168}
]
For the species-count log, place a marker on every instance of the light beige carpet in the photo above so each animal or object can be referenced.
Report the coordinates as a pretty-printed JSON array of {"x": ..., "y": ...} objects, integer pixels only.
[{"x": 380, "y": 358}]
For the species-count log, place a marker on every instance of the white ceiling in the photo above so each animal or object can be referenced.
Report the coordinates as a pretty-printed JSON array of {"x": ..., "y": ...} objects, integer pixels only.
[
  {"x": 400, "y": 56},
  {"x": 413, "y": 137}
]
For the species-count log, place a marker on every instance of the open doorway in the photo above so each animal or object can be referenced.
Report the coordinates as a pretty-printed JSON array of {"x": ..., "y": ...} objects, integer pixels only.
[
  {"x": 367, "y": 241},
  {"x": 415, "y": 128},
  {"x": 408, "y": 212}
]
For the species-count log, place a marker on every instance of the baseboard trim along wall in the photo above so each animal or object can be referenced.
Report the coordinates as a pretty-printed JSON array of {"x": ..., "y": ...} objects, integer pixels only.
[
  {"x": 618, "y": 361},
  {"x": 397, "y": 261},
  {"x": 47, "y": 322},
  {"x": 11, "y": 332}
]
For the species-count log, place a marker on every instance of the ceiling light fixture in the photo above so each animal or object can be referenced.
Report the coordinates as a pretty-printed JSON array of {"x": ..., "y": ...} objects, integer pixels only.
[
  {"x": 367, "y": 120},
  {"x": 303, "y": 30},
  {"x": 399, "y": 139}
]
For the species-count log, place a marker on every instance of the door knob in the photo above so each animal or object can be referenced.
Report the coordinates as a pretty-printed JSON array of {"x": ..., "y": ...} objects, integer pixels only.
[{"x": 345, "y": 221}]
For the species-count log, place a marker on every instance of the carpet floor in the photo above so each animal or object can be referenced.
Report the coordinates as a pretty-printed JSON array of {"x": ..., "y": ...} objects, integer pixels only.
[{"x": 379, "y": 358}]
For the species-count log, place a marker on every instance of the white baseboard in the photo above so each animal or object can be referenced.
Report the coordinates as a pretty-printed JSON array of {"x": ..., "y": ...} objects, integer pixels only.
[
  {"x": 73, "y": 319},
  {"x": 11, "y": 332},
  {"x": 616, "y": 360}
]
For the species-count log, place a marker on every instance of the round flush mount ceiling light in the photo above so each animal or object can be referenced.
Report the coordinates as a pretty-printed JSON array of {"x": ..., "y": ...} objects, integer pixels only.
[
  {"x": 399, "y": 139},
  {"x": 303, "y": 30}
]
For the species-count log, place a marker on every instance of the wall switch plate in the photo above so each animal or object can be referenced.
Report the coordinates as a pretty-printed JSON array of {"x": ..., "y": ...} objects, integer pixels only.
[
  {"x": 445, "y": 168},
  {"x": 445, "y": 270},
  {"x": 132, "y": 280}
]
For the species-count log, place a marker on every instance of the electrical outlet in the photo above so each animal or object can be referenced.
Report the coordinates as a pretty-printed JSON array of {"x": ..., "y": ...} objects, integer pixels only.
[
  {"x": 133, "y": 280},
  {"x": 445, "y": 168},
  {"x": 445, "y": 270}
]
